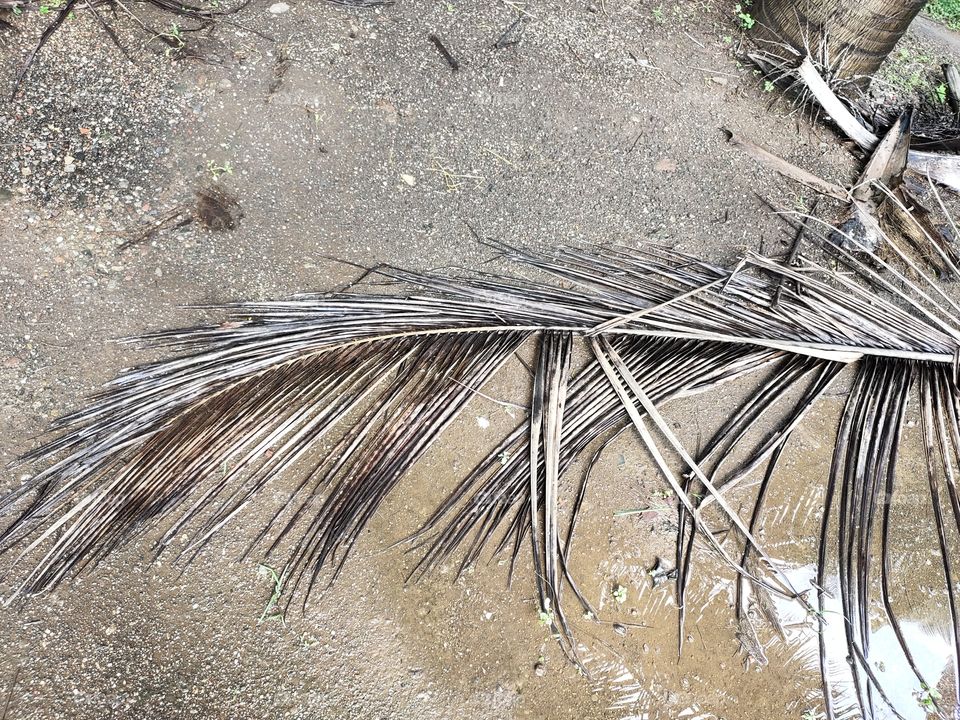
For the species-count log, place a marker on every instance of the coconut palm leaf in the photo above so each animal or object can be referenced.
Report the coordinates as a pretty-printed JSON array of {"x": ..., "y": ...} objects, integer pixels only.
[{"x": 344, "y": 392}]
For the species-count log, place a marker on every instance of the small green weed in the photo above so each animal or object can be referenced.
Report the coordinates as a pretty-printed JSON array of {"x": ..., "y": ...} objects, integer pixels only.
[
  {"x": 927, "y": 698},
  {"x": 217, "y": 170},
  {"x": 48, "y": 7},
  {"x": 272, "y": 610},
  {"x": 946, "y": 11}
]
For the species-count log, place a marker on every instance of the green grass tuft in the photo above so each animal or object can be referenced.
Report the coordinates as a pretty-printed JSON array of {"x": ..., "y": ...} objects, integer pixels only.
[{"x": 946, "y": 11}]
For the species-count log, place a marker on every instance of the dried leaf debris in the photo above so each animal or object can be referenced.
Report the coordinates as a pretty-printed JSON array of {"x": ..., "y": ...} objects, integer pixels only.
[{"x": 182, "y": 447}]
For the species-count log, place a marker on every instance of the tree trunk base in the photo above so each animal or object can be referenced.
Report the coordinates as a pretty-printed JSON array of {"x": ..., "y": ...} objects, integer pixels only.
[{"x": 850, "y": 37}]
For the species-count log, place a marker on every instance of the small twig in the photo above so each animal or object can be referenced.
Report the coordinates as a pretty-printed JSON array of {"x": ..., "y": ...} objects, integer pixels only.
[
  {"x": 506, "y": 40},
  {"x": 111, "y": 33},
  {"x": 13, "y": 685},
  {"x": 697, "y": 42},
  {"x": 794, "y": 253},
  {"x": 62, "y": 15},
  {"x": 504, "y": 403},
  {"x": 500, "y": 157},
  {"x": 520, "y": 8},
  {"x": 575, "y": 53},
  {"x": 787, "y": 169},
  {"x": 444, "y": 53},
  {"x": 163, "y": 223}
]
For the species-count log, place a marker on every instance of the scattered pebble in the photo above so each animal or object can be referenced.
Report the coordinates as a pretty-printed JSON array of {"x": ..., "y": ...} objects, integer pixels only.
[
  {"x": 279, "y": 8},
  {"x": 666, "y": 165}
]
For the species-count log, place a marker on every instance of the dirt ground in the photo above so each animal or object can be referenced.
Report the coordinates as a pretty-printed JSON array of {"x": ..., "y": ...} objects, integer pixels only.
[{"x": 344, "y": 134}]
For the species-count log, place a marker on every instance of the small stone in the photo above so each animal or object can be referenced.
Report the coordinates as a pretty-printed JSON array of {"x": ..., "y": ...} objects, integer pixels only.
[
  {"x": 388, "y": 109},
  {"x": 11, "y": 362},
  {"x": 539, "y": 670},
  {"x": 279, "y": 8},
  {"x": 408, "y": 179},
  {"x": 666, "y": 165},
  {"x": 720, "y": 80}
]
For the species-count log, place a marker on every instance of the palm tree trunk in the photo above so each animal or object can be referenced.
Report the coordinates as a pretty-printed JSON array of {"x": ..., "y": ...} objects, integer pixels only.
[{"x": 851, "y": 37}]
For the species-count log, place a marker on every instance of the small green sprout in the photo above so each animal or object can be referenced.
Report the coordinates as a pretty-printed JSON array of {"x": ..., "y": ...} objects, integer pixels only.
[
  {"x": 545, "y": 615},
  {"x": 217, "y": 170},
  {"x": 927, "y": 698},
  {"x": 272, "y": 610},
  {"x": 173, "y": 38},
  {"x": 619, "y": 593}
]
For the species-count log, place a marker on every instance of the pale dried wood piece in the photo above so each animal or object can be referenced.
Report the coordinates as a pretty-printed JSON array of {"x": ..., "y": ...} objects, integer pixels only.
[
  {"x": 788, "y": 169},
  {"x": 945, "y": 169},
  {"x": 952, "y": 77}
]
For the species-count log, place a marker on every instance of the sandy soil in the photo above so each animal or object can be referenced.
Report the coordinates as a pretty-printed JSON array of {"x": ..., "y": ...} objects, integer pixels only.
[{"x": 602, "y": 125}]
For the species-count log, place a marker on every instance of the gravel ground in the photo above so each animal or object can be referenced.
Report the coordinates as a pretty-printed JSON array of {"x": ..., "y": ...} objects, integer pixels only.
[{"x": 344, "y": 134}]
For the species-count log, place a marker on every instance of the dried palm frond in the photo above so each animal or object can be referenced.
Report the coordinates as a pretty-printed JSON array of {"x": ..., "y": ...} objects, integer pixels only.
[{"x": 183, "y": 446}]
